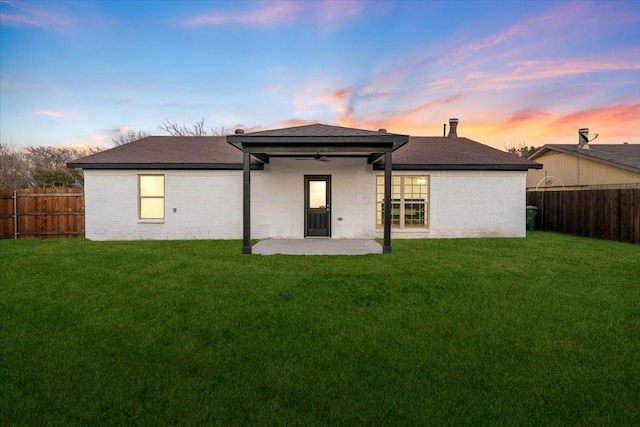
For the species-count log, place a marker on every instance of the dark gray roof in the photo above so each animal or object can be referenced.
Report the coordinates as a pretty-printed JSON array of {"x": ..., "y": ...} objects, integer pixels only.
[
  {"x": 438, "y": 152},
  {"x": 623, "y": 156},
  {"x": 213, "y": 152},
  {"x": 168, "y": 152},
  {"x": 316, "y": 129},
  {"x": 317, "y": 137}
]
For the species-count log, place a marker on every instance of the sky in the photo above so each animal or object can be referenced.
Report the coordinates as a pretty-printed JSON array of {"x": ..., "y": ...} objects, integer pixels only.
[{"x": 78, "y": 73}]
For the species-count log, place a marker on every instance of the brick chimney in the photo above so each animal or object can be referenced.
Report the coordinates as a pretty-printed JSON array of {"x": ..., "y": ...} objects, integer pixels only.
[{"x": 453, "y": 129}]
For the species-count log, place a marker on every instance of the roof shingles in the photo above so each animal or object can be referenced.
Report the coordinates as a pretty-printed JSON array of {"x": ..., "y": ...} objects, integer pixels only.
[
  {"x": 203, "y": 152},
  {"x": 456, "y": 153},
  {"x": 213, "y": 152},
  {"x": 313, "y": 130}
]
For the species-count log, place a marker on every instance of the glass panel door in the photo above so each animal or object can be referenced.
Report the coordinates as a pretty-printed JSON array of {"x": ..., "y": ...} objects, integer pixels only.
[{"x": 317, "y": 221}]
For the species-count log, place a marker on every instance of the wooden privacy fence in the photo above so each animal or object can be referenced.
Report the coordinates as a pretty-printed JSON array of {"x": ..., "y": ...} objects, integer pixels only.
[
  {"x": 41, "y": 213},
  {"x": 604, "y": 214}
]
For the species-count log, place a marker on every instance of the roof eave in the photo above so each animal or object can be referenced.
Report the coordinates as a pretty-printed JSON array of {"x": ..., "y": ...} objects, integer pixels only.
[
  {"x": 423, "y": 167},
  {"x": 394, "y": 140},
  {"x": 538, "y": 152},
  {"x": 167, "y": 166}
]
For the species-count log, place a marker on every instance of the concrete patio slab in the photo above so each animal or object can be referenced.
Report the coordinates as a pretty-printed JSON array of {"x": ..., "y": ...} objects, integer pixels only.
[{"x": 317, "y": 247}]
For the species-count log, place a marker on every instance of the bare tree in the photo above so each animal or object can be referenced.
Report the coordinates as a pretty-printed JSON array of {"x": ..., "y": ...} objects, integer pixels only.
[
  {"x": 520, "y": 150},
  {"x": 48, "y": 165},
  {"x": 14, "y": 169},
  {"x": 218, "y": 131},
  {"x": 130, "y": 136},
  {"x": 48, "y": 157},
  {"x": 196, "y": 129},
  {"x": 41, "y": 166}
]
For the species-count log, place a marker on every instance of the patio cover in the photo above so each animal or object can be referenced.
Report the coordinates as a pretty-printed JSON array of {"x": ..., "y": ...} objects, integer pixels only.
[{"x": 313, "y": 140}]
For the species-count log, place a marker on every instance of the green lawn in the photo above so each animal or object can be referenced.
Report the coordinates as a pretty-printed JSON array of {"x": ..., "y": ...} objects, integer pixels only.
[{"x": 536, "y": 331}]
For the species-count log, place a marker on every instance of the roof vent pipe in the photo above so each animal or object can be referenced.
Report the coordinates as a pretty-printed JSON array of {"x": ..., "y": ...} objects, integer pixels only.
[
  {"x": 239, "y": 132},
  {"x": 453, "y": 128},
  {"x": 583, "y": 139},
  {"x": 444, "y": 131}
]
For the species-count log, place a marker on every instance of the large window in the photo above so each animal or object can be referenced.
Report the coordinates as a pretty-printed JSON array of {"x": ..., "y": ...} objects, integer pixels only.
[
  {"x": 151, "y": 196},
  {"x": 409, "y": 201}
]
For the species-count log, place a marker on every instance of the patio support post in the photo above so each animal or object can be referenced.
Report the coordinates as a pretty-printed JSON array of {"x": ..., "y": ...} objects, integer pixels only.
[
  {"x": 246, "y": 203},
  {"x": 386, "y": 247}
]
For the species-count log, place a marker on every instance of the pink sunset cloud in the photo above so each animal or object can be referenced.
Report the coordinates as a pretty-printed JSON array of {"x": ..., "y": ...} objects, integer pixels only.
[
  {"x": 328, "y": 11},
  {"x": 338, "y": 95},
  {"x": 397, "y": 124},
  {"x": 18, "y": 20},
  {"x": 561, "y": 16},
  {"x": 345, "y": 118},
  {"x": 281, "y": 124},
  {"x": 499, "y": 59},
  {"x": 348, "y": 102},
  {"x": 614, "y": 123},
  {"x": 23, "y": 14},
  {"x": 529, "y": 126},
  {"x": 269, "y": 14},
  {"x": 50, "y": 113},
  {"x": 527, "y": 116},
  {"x": 279, "y": 12},
  {"x": 621, "y": 115},
  {"x": 340, "y": 102},
  {"x": 541, "y": 69},
  {"x": 429, "y": 105}
]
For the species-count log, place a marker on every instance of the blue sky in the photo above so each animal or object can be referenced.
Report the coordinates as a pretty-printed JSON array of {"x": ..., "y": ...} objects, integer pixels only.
[{"x": 82, "y": 72}]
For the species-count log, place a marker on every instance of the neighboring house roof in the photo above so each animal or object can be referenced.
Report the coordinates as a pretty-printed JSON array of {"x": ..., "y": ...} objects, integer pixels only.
[
  {"x": 213, "y": 152},
  {"x": 623, "y": 156},
  {"x": 168, "y": 152}
]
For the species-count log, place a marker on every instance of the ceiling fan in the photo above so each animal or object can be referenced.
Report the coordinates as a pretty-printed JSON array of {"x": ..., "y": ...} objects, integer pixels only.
[{"x": 318, "y": 157}]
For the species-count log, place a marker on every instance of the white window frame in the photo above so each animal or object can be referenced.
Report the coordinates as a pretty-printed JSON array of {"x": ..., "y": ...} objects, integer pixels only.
[
  {"x": 142, "y": 197},
  {"x": 402, "y": 201}
]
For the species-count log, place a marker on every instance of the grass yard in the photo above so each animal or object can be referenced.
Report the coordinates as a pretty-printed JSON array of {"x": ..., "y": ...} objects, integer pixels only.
[{"x": 536, "y": 331}]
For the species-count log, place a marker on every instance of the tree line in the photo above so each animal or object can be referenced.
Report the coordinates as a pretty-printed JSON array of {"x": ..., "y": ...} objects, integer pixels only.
[
  {"x": 40, "y": 167},
  {"x": 173, "y": 129},
  {"x": 46, "y": 166},
  {"x": 521, "y": 150}
]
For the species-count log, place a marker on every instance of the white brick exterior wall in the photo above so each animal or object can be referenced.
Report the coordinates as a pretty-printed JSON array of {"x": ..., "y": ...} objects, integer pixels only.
[
  {"x": 472, "y": 204},
  {"x": 277, "y": 197},
  {"x": 208, "y": 204}
]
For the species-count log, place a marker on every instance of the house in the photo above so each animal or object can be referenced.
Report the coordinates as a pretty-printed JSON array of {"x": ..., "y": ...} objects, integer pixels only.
[
  {"x": 307, "y": 181},
  {"x": 585, "y": 166}
]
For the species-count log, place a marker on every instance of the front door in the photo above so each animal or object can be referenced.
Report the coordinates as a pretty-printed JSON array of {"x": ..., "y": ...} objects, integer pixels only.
[{"x": 317, "y": 204}]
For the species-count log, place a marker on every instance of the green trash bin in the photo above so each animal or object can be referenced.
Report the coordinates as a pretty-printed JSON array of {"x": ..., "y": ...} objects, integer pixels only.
[{"x": 532, "y": 211}]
